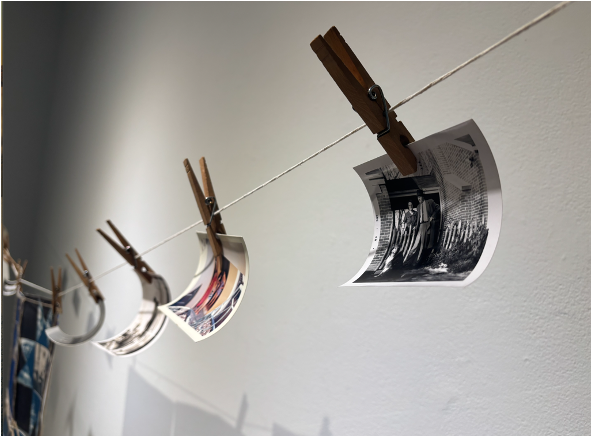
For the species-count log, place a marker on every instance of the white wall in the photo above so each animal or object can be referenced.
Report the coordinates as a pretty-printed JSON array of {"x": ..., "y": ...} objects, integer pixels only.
[
  {"x": 141, "y": 86},
  {"x": 29, "y": 62}
]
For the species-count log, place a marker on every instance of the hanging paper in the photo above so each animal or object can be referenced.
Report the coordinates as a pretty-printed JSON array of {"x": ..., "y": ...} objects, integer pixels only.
[
  {"x": 216, "y": 291},
  {"x": 438, "y": 226},
  {"x": 147, "y": 325}
]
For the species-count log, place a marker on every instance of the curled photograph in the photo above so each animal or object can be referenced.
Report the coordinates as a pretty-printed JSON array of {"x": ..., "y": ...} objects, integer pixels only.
[
  {"x": 217, "y": 289},
  {"x": 440, "y": 225},
  {"x": 148, "y": 324}
]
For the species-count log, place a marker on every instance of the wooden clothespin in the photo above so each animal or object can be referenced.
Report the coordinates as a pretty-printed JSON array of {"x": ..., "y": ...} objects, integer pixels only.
[
  {"x": 56, "y": 288},
  {"x": 18, "y": 268},
  {"x": 85, "y": 276},
  {"x": 209, "y": 191},
  {"x": 361, "y": 91},
  {"x": 128, "y": 252},
  {"x": 207, "y": 205},
  {"x": 5, "y": 240}
]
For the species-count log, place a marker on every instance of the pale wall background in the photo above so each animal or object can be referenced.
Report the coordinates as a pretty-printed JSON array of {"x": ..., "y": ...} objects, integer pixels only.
[{"x": 124, "y": 92}]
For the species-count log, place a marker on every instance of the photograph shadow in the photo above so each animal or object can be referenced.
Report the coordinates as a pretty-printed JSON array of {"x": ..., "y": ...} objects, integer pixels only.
[{"x": 148, "y": 412}]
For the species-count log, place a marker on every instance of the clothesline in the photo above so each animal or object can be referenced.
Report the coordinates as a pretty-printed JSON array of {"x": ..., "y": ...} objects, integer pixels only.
[{"x": 440, "y": 79}]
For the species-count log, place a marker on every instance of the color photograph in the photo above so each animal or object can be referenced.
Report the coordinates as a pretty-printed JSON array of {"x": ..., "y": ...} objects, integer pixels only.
[{"x": 214, "y": 294}]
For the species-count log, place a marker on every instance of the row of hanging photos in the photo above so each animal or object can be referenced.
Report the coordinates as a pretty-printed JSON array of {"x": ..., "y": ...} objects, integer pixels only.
[
  {"x": 207, "y": 206},
  {"x": 365, "y": 97}
]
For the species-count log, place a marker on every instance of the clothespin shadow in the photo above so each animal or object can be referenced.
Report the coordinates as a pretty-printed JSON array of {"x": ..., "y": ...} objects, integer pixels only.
[
  {"x": 56, "y": 289},
  {"x": 128, "y": 252},
  {"x": 366, "y": 98},
  {"x": 85, "y": 276},
  {"x": 207, "y": 206}
]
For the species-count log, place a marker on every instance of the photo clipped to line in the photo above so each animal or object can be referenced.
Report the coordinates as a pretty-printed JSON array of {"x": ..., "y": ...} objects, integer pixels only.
[
  {"x": 148, "y": 324},
  {"x": 440, "y": 225},
  {"x": 216, "y": 291}
]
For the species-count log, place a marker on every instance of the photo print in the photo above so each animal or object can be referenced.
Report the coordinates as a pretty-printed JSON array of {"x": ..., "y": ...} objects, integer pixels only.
[
  {"x": 30, "y": 367},
  {"x": 438, "y": 226},
  {"x": 148, "y": 324},
  {"x": 217, "y": 289}
]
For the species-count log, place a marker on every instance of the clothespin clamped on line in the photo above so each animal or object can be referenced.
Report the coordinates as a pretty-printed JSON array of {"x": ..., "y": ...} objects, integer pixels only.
[
  {"x": 56, "y": 288},
  {"x": 361, "y": 91},
  {"x": 128, "y": 252},
  {"x": 207, "y": 205},
  {"x": 17, "y": 267},
  {"x": 85, "y": 276}
]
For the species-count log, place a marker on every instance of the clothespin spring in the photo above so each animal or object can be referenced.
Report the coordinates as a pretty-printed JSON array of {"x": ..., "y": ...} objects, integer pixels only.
[
  {"x": 132, "y": 252},
  {"x": 212, "y": 202},
  {"x": 372, "y": 95}
]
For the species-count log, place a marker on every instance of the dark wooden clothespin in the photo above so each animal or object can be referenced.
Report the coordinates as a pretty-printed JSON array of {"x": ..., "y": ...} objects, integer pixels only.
[
  {"x": 209, "y": 191},
  {"x": 56, "y": 288},
  {"x": 85, "y": 276},
  {"x": 207, "y": 205},
  {"x": 366, "y": 98},
  {"x": 128, "y": 252}
]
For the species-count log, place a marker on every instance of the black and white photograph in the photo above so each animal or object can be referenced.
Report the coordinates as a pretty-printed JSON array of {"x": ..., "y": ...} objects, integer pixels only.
[
  {"x": 439, "y": 225},
  {"x": 148, "y": 324}
]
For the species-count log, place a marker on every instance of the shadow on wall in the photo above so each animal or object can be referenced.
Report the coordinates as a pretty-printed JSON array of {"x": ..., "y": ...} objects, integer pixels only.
[
  {"x": 70, "y": 418},
  {"x": 278, "y": 430},
  {"x": 150, "y": 413}
]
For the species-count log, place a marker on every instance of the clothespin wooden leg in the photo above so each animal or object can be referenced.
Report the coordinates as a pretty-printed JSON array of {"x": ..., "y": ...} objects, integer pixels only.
[
  {"x": 128, "y": 252},
  {"x": 92, "y": 288},
  {"x": 209, "y": 191},
  {"x": 56, "y": 288},
  {"x": 85, "y": 276},
  {"x": 203, "y": 209}
]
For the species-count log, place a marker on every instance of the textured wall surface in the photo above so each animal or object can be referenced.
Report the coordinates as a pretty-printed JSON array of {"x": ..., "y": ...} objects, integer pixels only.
[{"x": 138, "y": 87}]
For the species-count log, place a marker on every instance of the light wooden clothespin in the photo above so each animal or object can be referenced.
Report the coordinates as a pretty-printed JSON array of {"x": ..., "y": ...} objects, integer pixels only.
[
  {"x": 128, "y": 252},
  {"x": 56, "y": 288},
  {"x": 361, "y": 91},
  {"x": 207, "y": 205},
  {"x": 85, "y": 276},
  {"x": 17, "y": 268},
  {"x": 20, "y": 269}
]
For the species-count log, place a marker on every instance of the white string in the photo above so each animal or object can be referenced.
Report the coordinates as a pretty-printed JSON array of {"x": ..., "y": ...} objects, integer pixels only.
[
  {"x": 33, "y": 285},
  {"x": 517, "y": 32}
]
